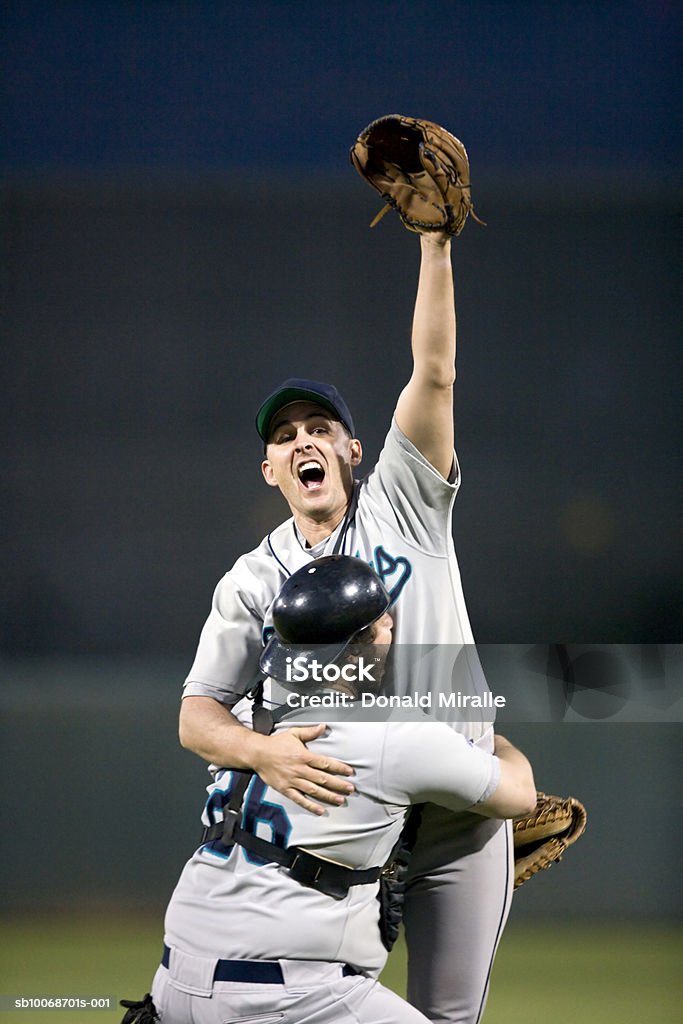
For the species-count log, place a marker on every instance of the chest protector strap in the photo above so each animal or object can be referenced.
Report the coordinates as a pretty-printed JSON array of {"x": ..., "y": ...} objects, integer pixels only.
[{"x": 334, "y": 880}]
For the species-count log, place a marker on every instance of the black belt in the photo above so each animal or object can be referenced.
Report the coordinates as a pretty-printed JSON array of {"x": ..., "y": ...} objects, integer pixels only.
[{"x": 258, "y": 972}]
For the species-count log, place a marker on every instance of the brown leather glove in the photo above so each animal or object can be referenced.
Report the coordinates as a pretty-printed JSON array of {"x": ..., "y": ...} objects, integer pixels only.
[
  {"x": 419, "y": 169},
  {"x": 540, "y": 838}
]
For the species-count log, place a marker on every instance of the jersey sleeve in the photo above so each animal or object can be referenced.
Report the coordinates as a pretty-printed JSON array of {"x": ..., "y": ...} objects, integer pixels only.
[
  {"x": 430, "y": 762},
  {"x": 226, "y": 661},
  {"x": 406, "y": 490}
]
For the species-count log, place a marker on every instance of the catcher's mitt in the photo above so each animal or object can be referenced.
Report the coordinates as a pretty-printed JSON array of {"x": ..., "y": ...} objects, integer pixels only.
[
  {"x": 419, "y": 169},
  {"x": 540, "y": 838}
]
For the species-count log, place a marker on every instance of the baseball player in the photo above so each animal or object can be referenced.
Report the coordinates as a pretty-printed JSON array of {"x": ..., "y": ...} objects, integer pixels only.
[
  {"x": 274, "y": 917},
  {"x": 398, "y": 519}
]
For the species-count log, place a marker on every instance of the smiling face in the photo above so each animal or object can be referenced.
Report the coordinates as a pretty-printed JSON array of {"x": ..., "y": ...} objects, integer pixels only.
[{"x": 310, "y": 458}]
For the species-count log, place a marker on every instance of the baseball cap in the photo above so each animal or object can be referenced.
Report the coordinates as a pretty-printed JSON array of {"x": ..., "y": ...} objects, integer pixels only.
[{"x": 298, "y": 389}]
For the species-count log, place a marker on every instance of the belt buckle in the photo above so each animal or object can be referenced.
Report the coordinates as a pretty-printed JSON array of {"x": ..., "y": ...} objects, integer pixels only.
[{"x": 305, "y": 870}]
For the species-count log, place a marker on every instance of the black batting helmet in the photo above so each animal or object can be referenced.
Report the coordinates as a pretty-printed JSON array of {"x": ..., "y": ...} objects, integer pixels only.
[{"x": 320, "y": 609}]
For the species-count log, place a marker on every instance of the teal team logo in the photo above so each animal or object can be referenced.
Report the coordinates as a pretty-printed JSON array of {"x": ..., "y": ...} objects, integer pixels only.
[{"x": 394, "y": 572}]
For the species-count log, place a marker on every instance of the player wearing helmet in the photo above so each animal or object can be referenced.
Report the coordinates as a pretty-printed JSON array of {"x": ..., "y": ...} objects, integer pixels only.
[{"x": 275, "y": 917}]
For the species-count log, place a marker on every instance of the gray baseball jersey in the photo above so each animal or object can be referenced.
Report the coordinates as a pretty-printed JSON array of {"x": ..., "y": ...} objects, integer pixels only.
[
  {"x": 230, "y": 904},
  {"x": 402, "y": 526}
]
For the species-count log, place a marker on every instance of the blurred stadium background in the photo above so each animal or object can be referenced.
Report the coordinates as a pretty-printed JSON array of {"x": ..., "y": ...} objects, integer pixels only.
[{"x": 181, "y": 229}]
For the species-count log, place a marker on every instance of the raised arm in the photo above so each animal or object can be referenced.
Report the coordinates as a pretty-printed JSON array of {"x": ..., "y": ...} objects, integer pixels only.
[
  {"x": 283, "y": 760},
  {"x": 424, "y": 411}
]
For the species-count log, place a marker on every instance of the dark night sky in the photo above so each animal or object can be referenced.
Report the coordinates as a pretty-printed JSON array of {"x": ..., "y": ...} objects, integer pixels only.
[
  {"x": 195, "y": 86},
  {"x": 162, "y": 273}
]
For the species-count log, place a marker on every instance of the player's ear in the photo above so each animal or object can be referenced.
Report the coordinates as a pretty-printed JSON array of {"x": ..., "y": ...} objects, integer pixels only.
[
  {"x": 356, "y": 449},
  {"x": 268, "y": 474}
]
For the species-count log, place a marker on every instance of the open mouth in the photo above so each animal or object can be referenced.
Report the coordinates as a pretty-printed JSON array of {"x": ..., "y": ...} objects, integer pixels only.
[{"x": 311, "y": 474}]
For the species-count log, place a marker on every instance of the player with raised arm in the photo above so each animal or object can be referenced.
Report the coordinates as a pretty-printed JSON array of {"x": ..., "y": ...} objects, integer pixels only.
[{"x": 398, "y": 518}]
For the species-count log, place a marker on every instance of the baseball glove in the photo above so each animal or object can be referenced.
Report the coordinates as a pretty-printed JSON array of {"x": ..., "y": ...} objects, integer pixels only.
[
  {"x": 541, "y": 837},
  {"x": 419, "y": 169}
]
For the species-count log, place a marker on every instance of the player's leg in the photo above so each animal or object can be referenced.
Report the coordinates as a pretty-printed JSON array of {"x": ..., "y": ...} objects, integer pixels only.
[
  {"x": 458, "y": 899},
  {"x": 369, "y": 1002},
  {"x": 356, "y": 1000}
]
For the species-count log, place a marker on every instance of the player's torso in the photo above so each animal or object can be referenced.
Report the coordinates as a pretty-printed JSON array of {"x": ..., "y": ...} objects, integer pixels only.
[
  {"x": 229, "y": 903},
  {"x": 433, "y": 648},
  {"x": 402, "y": 526},
  {"x": 428, "y": 605}
]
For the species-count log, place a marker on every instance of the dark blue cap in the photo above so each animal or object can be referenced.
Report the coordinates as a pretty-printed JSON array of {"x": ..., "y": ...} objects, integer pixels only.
[{"x": 298, "y": 389}]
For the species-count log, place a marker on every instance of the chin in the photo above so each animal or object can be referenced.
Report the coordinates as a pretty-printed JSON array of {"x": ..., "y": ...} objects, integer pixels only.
[
  {"x": 318, "y": 509},
  {"x": 316, "y": 499}
]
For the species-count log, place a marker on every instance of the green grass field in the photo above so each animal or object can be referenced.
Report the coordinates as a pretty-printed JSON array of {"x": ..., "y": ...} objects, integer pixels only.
[{"x": 587, "y": 973}]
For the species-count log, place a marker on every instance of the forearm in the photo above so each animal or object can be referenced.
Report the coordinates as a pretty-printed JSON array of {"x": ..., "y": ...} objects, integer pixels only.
[
  {"x": 211, "y": 731},
  {"x": 509, "y": 754},
  {"x": 516, "y": 790},
  {"x": 424, "y": 411},
  {"x": 434, "y": 328},
  {"x": 519, "y": 777}
]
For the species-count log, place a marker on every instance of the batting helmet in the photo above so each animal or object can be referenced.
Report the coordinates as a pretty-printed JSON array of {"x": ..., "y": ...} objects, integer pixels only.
[{"x": 320, "y": 609}]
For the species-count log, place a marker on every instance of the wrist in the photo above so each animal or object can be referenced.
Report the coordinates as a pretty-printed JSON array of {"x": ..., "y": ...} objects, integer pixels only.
[
  {"x": 435, "y": 242},
  {"x": 256, "y": 751}
]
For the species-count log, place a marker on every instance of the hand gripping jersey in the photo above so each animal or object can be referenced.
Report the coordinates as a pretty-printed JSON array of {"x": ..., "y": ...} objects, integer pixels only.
[
  {"x": 402, "y": 526},
  {"x": 232, "y": 904}
]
